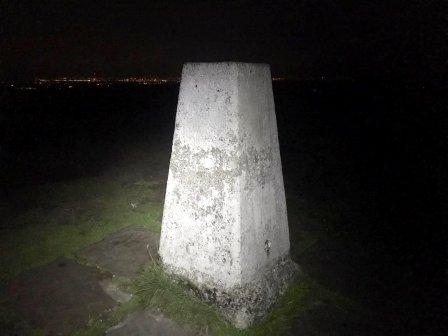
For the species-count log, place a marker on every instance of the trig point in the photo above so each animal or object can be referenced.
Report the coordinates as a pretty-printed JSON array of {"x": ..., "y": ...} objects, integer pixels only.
[{"x": 224, "y": 226}]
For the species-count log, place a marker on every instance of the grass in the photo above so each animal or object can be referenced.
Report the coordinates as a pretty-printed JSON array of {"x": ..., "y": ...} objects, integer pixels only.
[
  {"x": 52, "y": 220},
  {"x": 68, "y": 217},
  {"x": 157, "y": 291},
  {"x": 97, "y": 327}
]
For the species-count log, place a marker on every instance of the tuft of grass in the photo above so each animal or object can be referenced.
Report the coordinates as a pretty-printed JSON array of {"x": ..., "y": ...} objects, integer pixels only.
[
  {"x": 301, "y": 297},
  {"x": 160, "y": 292}
]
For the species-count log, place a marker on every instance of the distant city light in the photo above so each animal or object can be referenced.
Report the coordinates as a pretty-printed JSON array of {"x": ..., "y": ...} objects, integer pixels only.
[
  {"x": 72, "y": 82},
  {"x": 100, "y": 81}
]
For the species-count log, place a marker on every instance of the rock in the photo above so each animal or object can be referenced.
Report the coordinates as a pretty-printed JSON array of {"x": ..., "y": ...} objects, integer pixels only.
[
  {"x": 124, "y": 252},
  {"x": 60, "y": 297},
  {"x": 112, "y": 289},
  {"x": 144, "y": 323}
]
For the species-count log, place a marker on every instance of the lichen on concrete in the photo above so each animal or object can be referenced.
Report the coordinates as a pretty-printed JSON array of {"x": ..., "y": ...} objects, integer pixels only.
[
  {"x": 246, "y": 304},
  {"x": 224, "y": 225}
]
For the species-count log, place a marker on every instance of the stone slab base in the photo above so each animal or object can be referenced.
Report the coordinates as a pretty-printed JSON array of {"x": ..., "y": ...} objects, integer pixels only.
[
  {"x": 123, "y": 253},
  {"x": 60, "y": 297},
  {"x": 245, "y": 305},
  {"x": 144, "y": 323}
]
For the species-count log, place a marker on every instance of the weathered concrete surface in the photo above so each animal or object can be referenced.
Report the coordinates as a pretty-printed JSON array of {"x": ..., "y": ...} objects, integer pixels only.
[
  {"x": 125, "y": 252},
  {"x": 224, "y": 224},
  {"x": 144, "y": 323},
  {"x": 60, "y": 297}
]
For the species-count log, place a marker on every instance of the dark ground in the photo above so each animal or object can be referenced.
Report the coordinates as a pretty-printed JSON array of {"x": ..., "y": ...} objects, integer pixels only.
[
  {"x": 365, "y": 163},
  {"x": 45, "y": 295}
]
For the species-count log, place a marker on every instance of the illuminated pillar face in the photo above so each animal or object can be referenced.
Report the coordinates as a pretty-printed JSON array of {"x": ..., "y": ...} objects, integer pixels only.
[{"x": 224, "y": 224}]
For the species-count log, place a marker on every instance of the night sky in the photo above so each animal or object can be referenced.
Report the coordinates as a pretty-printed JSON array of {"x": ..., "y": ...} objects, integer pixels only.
[{"x": 300, "y": 39}]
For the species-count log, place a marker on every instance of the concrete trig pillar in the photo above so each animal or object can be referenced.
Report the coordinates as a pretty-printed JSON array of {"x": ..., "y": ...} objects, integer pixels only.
[{"x": 224, "y": 226}]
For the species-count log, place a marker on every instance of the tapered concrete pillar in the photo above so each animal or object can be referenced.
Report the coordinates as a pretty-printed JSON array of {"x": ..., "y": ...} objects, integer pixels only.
[{"x": 224, "y": 225}]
